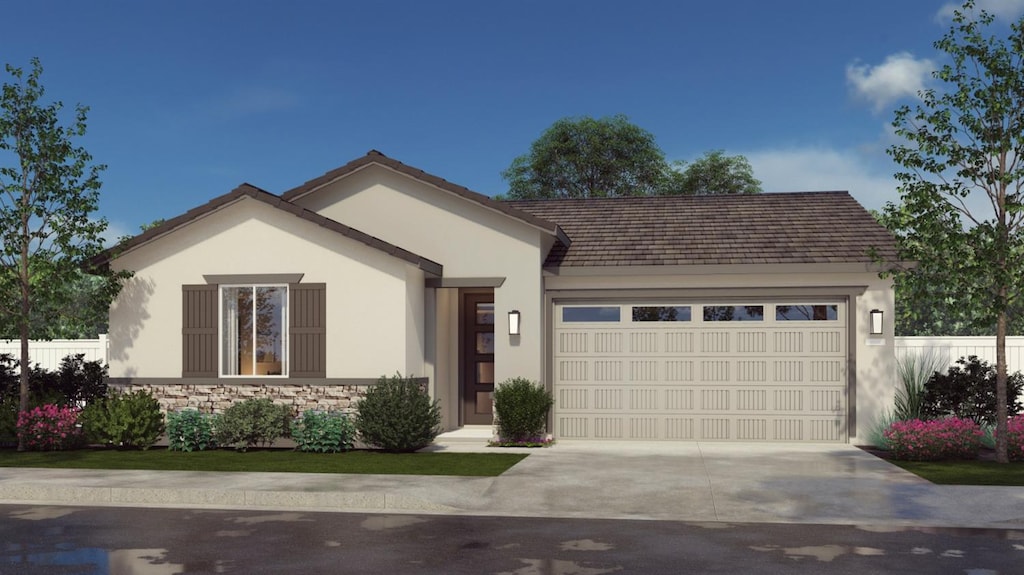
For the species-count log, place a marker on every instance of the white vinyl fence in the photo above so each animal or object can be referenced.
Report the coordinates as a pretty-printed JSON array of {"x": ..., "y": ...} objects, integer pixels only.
[
  {"x": 953, "y": 348},
  {"x": 48, "y": 354}
]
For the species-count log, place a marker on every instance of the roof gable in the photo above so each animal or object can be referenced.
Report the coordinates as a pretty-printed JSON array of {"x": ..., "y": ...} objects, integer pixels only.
[
  {"x": 771, "y": 228},
  {"x": 250, "y": 191},
  {"x": 375, "y": 157}
]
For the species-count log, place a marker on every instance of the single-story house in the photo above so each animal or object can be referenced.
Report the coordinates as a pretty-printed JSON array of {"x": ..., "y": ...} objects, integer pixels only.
[{"x": 739, "y": 317}]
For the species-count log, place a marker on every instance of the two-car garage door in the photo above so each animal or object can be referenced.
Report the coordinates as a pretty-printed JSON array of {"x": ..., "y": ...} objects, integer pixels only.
[{"x": 747, "y": 371}]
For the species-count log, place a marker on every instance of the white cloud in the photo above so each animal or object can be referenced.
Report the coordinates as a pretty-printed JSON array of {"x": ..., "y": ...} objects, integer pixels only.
[
  {"x": 899, "y": 76},
  {"x": 1007, "y": 9},
  {"x": 825, "y": 169}
]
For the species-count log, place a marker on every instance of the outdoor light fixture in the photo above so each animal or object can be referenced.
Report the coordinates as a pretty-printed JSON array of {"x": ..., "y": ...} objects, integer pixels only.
[
  {"x": 876, "y": 321},
  {"x": 513, "y": 322}
]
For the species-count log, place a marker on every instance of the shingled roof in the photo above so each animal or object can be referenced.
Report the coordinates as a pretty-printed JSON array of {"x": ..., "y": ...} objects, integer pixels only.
[{"x": 775, "y": 228}]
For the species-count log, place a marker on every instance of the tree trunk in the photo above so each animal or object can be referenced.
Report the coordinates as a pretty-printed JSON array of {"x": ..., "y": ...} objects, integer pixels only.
[
  {"x": 23, "y": 387},
  {"x": 1001, "y": 412}
]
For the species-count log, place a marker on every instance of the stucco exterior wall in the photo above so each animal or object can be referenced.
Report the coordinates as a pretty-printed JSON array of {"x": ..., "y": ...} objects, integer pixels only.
[
  {"x": 366, "y": 289},
  {"x": 875, "y": 370},
  {"x": 469, "y": 240}
]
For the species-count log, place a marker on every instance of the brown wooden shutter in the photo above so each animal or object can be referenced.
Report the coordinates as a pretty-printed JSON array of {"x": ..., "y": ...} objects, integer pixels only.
[
  {"x": 199, "y": 331},
  {"x": 307, "y": 330}
]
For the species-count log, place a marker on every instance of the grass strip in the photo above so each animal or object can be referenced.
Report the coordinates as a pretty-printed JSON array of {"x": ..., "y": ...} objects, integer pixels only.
[
  {"x": 270, "y": 460},
  {"x": 966, "y": 472}
]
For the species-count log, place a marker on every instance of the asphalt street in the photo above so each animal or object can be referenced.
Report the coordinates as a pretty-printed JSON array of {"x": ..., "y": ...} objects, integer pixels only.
[{"x": 49, "y": 540}]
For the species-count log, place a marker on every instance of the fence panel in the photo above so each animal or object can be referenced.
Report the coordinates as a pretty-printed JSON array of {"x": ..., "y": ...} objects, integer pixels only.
[
  {"x": 953, "y": 348},
  {"x": 48, "y": 354}
]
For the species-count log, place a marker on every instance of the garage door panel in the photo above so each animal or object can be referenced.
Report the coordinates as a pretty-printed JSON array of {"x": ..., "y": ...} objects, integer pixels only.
[{"x": 751, "y": 380}]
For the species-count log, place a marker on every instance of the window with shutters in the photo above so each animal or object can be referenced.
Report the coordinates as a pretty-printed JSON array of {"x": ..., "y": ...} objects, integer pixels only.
[{"x": 254, "y": 330}]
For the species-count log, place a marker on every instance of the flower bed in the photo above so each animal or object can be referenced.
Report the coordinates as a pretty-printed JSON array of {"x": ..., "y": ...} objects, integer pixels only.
[{"x": 933, "y": 440}]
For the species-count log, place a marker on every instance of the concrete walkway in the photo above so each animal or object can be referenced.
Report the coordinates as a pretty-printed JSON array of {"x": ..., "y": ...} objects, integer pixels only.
[{"x": 701, "y": 482}]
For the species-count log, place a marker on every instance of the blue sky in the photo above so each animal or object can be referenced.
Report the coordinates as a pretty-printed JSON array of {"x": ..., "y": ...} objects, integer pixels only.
[{"x": 189, "y": 99}]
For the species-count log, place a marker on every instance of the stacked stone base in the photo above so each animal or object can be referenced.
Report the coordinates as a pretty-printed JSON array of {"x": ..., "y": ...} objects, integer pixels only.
[{"x": 218, "y": 397}]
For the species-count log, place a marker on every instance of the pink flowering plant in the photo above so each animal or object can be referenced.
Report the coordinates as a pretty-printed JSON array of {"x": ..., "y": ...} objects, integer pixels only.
[
  {"x": 1015, "y": 438},
  {"x": 934, "y": 440},
  {"x": 49, "y": 428}
]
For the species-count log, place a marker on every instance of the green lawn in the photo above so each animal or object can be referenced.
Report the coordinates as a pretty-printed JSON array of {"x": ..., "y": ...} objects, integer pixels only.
[
  {"x": 279, "y": 460},
  {"x": 966, "y": 472}
]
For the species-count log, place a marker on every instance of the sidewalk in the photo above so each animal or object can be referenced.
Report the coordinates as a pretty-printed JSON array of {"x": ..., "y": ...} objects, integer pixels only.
[{"x": 700, "y": 482}]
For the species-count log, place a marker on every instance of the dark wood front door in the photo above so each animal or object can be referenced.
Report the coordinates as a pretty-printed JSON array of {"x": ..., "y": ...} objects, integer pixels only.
[{"x": 477, "y": 358}]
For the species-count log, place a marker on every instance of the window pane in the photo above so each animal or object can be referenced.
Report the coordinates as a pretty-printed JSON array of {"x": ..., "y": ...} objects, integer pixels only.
[
  {"x": 253, "y": 332},
  {"x": 484, "y": 402},
  {"x": 237, "y": 330},
  {"x": 661, "y": 313},
  {"x": 591, "y": 313},
  {"x": 485, "y": 342},
  {"x": 734, "y": 313},
  {"x": 485, "y": 372},
  {"x": 269, "y": 313},
  {"x": 806, "y": 312},
  {"x": 485, "y": 314}
]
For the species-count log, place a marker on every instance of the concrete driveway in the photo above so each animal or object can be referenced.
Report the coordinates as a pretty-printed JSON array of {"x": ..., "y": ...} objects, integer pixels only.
[{"x": 700, "y": 482}]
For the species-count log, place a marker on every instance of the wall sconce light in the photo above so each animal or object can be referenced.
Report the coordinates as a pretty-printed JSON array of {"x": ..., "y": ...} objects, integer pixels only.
[
  {"x": 513, "y": 322},
  {"x": 876, "y": 321}
]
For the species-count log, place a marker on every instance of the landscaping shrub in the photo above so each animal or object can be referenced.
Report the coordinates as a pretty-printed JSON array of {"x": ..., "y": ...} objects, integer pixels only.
[
  {"x": 78, "y": 380},
  {"x": 968, "y": 390},
  {"x": 128, "y": 420},
  {"x": 1015, "y": 438},
  {"x": 397, "y": 415},
  {"x": 914, "y": 370},
  {"x": 190, "y": 430},
  {"x": 252, "y": 423},
  {"x": 75, "y": 380},
  {"x": 933, "y": 440},
  {"x": 323, "y": 432},
  {"x": 521, "y": 409},
  {"x": 49, "y": 428}
]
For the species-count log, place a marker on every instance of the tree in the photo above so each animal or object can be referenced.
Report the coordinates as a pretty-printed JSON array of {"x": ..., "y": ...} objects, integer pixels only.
[
  {"x": 588, "y": 158},
  {"x": 47, "y": 193},
  {"x": 714, "y": 173},
  {"x": 611, "y": 157},
  {"x": 966, "y": 142}
]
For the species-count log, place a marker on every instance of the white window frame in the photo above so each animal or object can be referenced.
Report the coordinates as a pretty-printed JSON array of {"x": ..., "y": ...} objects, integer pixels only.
[{"x": 286, "y": 364}]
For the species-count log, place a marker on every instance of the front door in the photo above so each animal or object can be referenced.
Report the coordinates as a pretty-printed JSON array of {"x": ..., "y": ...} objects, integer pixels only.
[{"x": 478, "y": 358}]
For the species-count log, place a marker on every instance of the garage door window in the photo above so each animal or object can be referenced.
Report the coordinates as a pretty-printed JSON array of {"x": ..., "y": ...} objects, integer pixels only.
[
  {"x": 591, "y": 314},
  {"x": 734, "y": 313},
  {"x": 806, "y": 312},
  {"x": 661, "y": 313}
]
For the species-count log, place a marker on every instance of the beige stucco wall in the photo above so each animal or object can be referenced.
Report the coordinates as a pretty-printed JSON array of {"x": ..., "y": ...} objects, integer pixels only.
[
  {"x": 874, "y": 356},
  {"x": 469, "y": 240},
  {"x": 365, "y": 288}
]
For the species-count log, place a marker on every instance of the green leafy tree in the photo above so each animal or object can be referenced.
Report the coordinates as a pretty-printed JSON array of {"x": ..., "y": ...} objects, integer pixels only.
[
  {"x": 966, "y": 142},
  {"x": 714, "y": 173},
  {"x": 589, "y": 158},
  {"x": 49, "y": 188}
]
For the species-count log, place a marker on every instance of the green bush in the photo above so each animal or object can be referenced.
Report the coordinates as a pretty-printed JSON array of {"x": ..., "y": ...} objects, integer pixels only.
[
  {"x": 76, "y": 380},
  {"x": 397, "y": 415},
  {"x": 521, "y": 409},
  {"x": 190, "y": 430},
  {"x": 251, "y": 423},
  {"x": 323, "y": 432},
  {"x": 968, "y": 390},
  {"x": 128, "y": 420}
]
